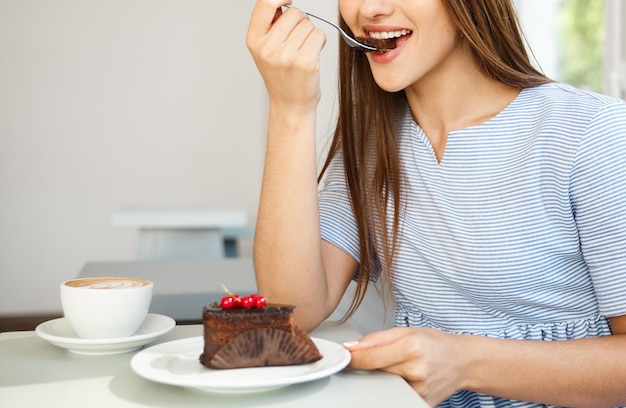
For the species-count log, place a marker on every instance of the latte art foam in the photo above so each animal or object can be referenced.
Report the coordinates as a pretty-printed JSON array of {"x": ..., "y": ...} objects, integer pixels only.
[{"x": 108, "y": 283}]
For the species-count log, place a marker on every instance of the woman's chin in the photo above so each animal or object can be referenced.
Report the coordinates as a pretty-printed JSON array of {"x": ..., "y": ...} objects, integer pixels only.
[{"x": 389, "y": 84}]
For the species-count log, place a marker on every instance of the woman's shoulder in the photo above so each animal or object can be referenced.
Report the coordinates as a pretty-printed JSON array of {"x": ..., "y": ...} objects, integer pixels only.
[
  {"x": 559, "y": 94},
  {"x": 574, "y": 109}
]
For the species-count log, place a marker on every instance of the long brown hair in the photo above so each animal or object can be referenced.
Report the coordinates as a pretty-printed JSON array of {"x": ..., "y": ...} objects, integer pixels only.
[{"x": 365, "y": 126}]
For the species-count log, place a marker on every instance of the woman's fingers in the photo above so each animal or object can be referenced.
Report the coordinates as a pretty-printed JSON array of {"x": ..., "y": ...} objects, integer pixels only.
[
  {"x": 264, "y": 15},
  {"x": 273, "y": 32},
  {"x": 376, "y": 358},
  {"x": 424, "y": 357},
  {"x": 286, "y": 48},
  {"x": 381, "y": 349},
  {"x": 294, "y": 30},
  {"x": 271, "y": 25},
  {"x": 279, "y": 12},
  {"x": 376, "y": 339}
]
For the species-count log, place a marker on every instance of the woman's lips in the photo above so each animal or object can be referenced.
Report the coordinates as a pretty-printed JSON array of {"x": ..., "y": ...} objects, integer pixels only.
[{"x": 389, "y": 55}]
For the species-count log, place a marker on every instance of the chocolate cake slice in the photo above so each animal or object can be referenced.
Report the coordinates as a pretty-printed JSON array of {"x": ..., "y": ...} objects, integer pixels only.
[
  {"x": 381, "y": 45},
  {"x": 238, "y": 338}
]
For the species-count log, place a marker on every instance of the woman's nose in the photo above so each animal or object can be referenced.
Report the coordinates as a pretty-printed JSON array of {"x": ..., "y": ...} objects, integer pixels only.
[{"x": 373, "y": 9}]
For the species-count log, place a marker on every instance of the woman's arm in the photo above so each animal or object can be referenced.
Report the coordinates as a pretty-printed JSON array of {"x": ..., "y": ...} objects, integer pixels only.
[
  {"x": 292, "y": 264},
  {"x": 576, "y": 373}
]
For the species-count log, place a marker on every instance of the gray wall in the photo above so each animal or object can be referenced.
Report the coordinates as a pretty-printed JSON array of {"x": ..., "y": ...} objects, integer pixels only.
[{"x": 105, "y": 104}]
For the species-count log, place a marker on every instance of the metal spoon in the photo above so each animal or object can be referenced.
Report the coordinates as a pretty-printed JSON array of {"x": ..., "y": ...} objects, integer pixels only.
[{"x": 349, "y": 40}]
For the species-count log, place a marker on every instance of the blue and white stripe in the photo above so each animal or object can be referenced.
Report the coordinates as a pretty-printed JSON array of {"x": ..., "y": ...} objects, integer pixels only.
[{"x": 519, "y": 232}]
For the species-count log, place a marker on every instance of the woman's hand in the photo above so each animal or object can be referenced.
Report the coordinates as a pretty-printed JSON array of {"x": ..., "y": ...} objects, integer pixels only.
[
  {"x": 431, "y": 361},
  {"x": 286, "y": 49}
]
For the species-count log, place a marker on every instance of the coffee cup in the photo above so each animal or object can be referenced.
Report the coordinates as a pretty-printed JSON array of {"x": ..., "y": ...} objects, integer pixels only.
[{"x": 106, "y": 307}]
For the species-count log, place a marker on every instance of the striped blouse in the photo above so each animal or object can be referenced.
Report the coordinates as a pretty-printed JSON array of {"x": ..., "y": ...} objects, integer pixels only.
[{"x": 519, "y": 232}]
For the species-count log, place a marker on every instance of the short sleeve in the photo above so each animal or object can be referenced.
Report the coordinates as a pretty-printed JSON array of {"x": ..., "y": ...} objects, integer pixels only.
[
  {"x": 598, "y": 194},
  {"x": 337, "y": 221}
]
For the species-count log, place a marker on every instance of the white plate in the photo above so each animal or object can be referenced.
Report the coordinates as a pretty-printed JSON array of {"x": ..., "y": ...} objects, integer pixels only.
[
  {"x": 59, "y": 333},
  {"x": 177, "y": 363}
]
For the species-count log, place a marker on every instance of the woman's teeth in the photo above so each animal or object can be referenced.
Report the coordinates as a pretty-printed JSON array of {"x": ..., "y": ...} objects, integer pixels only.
[{"x": 385, "y": 35}]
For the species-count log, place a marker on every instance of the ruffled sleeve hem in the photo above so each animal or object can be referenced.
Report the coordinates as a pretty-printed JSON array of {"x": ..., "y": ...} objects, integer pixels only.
[{"x": 593, "y": 326}]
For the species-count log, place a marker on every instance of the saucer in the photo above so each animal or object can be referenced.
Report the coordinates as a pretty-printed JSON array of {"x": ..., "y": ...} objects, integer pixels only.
[{"x": 59, "y": 333}]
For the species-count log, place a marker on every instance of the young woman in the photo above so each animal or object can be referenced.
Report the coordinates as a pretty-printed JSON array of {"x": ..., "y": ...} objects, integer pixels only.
[{"x": 491, "y": 199}]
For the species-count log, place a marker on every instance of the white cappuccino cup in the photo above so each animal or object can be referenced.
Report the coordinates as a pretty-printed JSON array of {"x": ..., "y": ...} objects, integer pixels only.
[{"x": 106, "y": 307}]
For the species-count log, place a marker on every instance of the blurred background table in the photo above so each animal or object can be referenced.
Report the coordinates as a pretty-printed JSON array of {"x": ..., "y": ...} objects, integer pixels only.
[{"x": 183, "y": 287}]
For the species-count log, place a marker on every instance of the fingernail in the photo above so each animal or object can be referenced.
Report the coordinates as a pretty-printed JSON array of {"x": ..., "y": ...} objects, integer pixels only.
[{"x": 349, "y": 344}]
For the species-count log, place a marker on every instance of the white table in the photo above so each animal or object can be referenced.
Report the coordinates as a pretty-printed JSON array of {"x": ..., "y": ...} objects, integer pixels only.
[
  {"x": 34, "y": 373},
  {"x": 184, "y": 232}
]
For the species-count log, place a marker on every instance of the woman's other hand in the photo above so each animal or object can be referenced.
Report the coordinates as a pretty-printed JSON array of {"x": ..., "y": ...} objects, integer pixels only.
[
  {"x": 286, "y": 47},
  {"x": 431, "y": 361}
]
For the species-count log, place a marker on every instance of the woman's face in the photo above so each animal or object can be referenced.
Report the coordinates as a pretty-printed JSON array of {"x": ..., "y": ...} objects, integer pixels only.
[{"x": 426, "y": 49}]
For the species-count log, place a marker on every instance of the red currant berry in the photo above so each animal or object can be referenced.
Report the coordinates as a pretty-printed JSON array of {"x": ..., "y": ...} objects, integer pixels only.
[
  {"x": 260, "y": 302},
  {"x": 247, "y": 302},
  {"x": 227, "y": 302},
  {"x": 236, "y": 301}
]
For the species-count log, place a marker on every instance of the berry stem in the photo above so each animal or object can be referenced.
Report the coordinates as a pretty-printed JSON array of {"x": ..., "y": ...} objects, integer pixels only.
[{"x": 225, "y": 288}]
